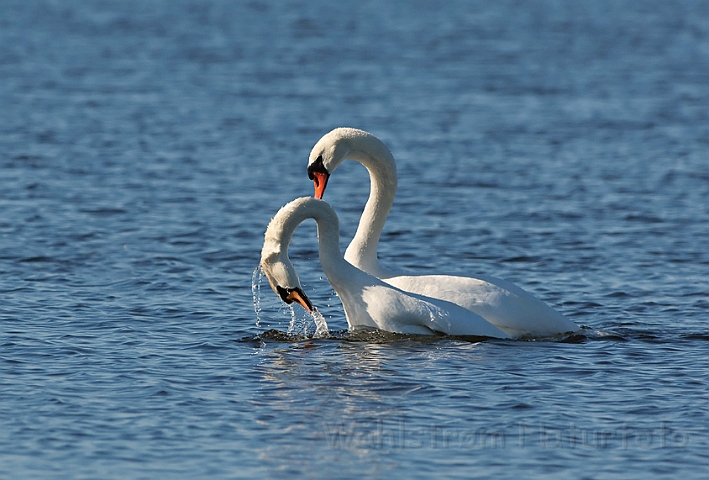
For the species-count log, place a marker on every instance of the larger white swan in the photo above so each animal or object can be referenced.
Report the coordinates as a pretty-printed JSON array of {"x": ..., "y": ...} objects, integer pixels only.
[
  {"x": 368, "y": 302},
  {"x": 513, "y": 310}
]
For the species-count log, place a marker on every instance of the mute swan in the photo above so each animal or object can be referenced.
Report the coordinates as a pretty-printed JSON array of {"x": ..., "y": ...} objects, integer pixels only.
[
  {"x": 501, "y": 303},
  {"x": 368, "y": 302}
]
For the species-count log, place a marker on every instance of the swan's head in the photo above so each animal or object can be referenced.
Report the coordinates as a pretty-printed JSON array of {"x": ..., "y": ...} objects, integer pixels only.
[
  {"x": 275, "y": 264},
  {"x": 283, "y": 279},
  {"x": 330, "y": 151}
]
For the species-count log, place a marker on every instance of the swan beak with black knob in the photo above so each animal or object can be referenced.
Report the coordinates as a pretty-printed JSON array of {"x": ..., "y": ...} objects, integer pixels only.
[
  {"x": 319, "y": 175},
  {"x": 290, "y": 295}
]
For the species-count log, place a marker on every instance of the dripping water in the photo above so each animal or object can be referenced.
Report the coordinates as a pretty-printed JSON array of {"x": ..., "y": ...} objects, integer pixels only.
[
  {"x": 298, "y": 324},
  {"x": 256, "y": 279},
  {"x": 321, "y": 329}
]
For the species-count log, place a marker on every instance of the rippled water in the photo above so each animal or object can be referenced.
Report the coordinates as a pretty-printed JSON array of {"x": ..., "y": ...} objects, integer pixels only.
[{"x": 145, "y": 145}]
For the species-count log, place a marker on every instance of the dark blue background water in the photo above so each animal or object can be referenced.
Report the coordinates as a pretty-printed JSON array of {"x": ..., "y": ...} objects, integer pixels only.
[{"x": 145, "y": 145}]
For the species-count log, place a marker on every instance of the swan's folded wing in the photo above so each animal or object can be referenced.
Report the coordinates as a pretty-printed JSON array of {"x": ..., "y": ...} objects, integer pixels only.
[
  {"x": 398, "y": 311},
  {"x": 505, "y": 305}
]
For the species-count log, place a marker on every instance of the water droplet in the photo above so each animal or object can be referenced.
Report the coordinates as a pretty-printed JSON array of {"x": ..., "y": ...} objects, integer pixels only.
[{"x": 256, "y": 279}]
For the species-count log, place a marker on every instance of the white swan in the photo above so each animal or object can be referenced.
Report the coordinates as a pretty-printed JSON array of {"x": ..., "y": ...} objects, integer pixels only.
[
  {"x": 368, "y": 302},
  {"x": 501, "y": 303}
]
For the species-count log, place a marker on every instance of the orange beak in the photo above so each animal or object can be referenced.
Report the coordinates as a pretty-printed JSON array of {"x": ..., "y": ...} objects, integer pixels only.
[
  {"x": 320, "y": 182},
  {"x": 319, "y": 175},
  {"x": 301, "y": 299},
  {"x": 290, "y": 295}
]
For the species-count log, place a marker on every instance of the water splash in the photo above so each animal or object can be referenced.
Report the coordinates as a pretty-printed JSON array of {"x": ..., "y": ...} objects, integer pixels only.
[
  {"x": 321, "y": 329},
  {"x": 256, "y": 279},
  {"x": 299, "y": 324},
  {"x": 302, "y": 323},
  {"x": 296, "y": 326}
]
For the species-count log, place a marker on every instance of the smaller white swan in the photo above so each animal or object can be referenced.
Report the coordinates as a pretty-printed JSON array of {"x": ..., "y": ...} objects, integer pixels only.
[
  {"x": 368, "y": 302},
  {"x": 508, "y": 307}
]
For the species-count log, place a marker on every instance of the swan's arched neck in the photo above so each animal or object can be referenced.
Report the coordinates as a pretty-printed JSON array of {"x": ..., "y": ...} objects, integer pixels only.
[
  {"x": 379, "y": 162},
  {"x": 280, "y": 233}
]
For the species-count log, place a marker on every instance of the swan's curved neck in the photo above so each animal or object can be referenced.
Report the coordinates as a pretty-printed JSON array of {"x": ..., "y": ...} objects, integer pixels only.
[
  {"x": 333, "y": 264},
  {"x": 376, "y": 157}
]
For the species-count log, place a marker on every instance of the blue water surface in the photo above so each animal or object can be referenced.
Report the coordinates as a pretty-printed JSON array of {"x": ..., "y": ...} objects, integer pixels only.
[{"x": 145, "y": 145}]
